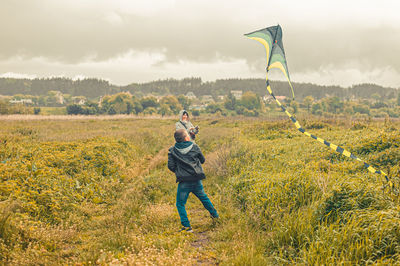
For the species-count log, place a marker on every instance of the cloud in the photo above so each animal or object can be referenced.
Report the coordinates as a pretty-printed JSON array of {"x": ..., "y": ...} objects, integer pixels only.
[
  {"x": 17, "y": 75},
  {"x": 348, "y": 76},
  {"x": 90, "y": 34}
]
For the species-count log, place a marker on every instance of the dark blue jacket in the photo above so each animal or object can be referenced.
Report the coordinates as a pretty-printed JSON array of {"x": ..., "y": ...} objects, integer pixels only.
[{"x": 185, "y": 160}]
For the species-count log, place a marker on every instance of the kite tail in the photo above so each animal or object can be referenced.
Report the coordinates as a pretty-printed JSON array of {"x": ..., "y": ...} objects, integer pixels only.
[{"x": 331, "y": 145}]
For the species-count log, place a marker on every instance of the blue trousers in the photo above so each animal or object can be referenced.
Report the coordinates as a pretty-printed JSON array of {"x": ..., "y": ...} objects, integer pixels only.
[{"x": 196, "y": 187}]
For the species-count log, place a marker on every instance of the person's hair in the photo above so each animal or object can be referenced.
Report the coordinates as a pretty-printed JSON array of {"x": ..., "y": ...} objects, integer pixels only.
[
  {"x": 185, "y": 113},
  {"x": 180, "y": 135}
]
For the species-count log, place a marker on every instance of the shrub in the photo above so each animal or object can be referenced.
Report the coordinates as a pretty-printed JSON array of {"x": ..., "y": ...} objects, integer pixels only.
[{"x": 36, "y": 110}]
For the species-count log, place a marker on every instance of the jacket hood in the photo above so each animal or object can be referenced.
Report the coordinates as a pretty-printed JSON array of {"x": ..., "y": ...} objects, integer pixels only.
[
  {"x": 184, "y": 147},
  {"x": 181, "y": 114}
]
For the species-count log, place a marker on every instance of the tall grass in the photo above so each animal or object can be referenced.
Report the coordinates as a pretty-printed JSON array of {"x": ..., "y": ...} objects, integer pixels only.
[
  {"x": 83, "y": 191},
  {"x": 313, "y": 206}
]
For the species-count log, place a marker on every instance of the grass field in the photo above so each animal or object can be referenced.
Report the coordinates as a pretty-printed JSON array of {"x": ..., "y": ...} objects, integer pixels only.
[
  {"x": 97, "y": 191},
  {"x": 53, "y": 110}
]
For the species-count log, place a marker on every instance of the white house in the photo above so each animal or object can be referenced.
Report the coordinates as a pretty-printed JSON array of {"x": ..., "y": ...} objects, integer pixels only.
[
  {"x": 190, "y": 95},
  {"x": 25, "y": 101},
  {"x": 60, "y": 98},
  {"x": 80, "y": 100},
  {"x": 237, "y": 94}
]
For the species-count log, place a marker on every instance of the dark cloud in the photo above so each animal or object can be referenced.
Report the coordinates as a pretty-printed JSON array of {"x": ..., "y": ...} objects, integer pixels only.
[{"x": 69, "y": 35}]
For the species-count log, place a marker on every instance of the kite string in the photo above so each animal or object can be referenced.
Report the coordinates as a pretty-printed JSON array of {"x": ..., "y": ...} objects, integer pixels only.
[{"x": 331, "y": 145}]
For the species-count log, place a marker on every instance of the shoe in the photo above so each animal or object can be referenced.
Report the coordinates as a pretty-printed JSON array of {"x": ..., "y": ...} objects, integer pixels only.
[
  {"x": 215, "y": 219},
  {"x": 186, "y": 229}
]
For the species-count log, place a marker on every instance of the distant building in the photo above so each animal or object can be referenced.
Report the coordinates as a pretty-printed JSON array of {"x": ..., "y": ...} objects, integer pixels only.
[
  {"x": 190, "y": 95},
  {"x": 220, "y": 97},
  {"x": 280, "y": 98},
  {"x": 80, "y": 100},
  {"x": 268, "y": 98},
  {"x": 101, "y": 101},
  {"x": 237, "y": 94},
  {"x": 59, "y": 98},
  {"x": 24, "y": 101}
]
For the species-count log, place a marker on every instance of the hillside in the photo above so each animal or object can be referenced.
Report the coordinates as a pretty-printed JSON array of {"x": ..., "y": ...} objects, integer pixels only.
[{"x": 94, "y": 88}]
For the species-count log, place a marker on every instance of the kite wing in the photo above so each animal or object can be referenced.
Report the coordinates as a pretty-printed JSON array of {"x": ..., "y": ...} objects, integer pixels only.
[{"x": 271, "y": 38}]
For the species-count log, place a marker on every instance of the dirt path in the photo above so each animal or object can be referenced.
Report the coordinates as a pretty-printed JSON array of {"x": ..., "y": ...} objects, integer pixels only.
[
  {"x": 202, "y": 223},
  {"x": 197, "y": 244},
  {"x": 202, "y": 226}
]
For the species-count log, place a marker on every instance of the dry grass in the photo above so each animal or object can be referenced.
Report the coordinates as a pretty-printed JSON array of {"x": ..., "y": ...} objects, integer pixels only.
[{"x": 282, "y": 198}]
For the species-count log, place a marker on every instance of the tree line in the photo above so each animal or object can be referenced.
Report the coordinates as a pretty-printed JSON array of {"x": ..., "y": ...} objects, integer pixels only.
[
  {"x": 95, "y": 88},
  {"x": 250, "y": 104},
  {"x": 125, "y": 103}
]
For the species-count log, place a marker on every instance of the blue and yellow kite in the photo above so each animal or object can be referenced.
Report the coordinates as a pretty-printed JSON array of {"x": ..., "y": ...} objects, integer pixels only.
[{"x": 271, "y": 38}]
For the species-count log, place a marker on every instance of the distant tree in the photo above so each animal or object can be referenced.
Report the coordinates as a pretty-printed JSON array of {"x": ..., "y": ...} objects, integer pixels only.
[
  {"x": 247, "y": 112},
  {"x": 196, "y": 113},
  {"x": 52, "y": 98},
  {"x": 172, "y": 102},
  {"x": 348, "y": 110},
  {"x": 308, "y": 101},
  {"x": 288, "y": 101},
  {"x": 74, "y": 109},
  {"x": 362, "y": 109},
  {"x": 398, "y": 99},
  {"x": 147, "y": 102},
  {"x": 378, "y": 105},
  {"x": 111, "y": 111},
  {"x": 213, "y": 108},
  {"x": 67, "y": 98},
  {"x": 334, "y": 105},
  {"x": 36, "y": 110},
  {"x": 240, "y": 109},
  {"x": 376, "y": 96},
  {"x": 137, "y": 107},
  {"x": 391, "y": 95},
  {"x": 250, "y": 101},
  {"x": 230, "y": 102},
  {"x": 150, "y": 111},
  {"x": 129, "y": 108},
  {"x": 184, "y": 101},
  {"x": 165, "y": 109},
  {"x": 122, "y": 103},
  {"x": 316, "y": 109},
  {"x": 42, "y": 100}
]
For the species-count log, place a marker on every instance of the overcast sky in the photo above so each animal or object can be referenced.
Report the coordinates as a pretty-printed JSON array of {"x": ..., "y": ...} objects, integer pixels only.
[{"x": 125, "y": 41}]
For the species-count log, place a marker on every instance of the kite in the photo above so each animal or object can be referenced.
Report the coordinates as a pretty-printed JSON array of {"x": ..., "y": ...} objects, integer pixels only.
[{"x": 271, "y": 38}]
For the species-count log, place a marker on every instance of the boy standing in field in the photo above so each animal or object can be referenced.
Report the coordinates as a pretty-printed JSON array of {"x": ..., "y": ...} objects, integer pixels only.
[{"x": 185, "y": 159}]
